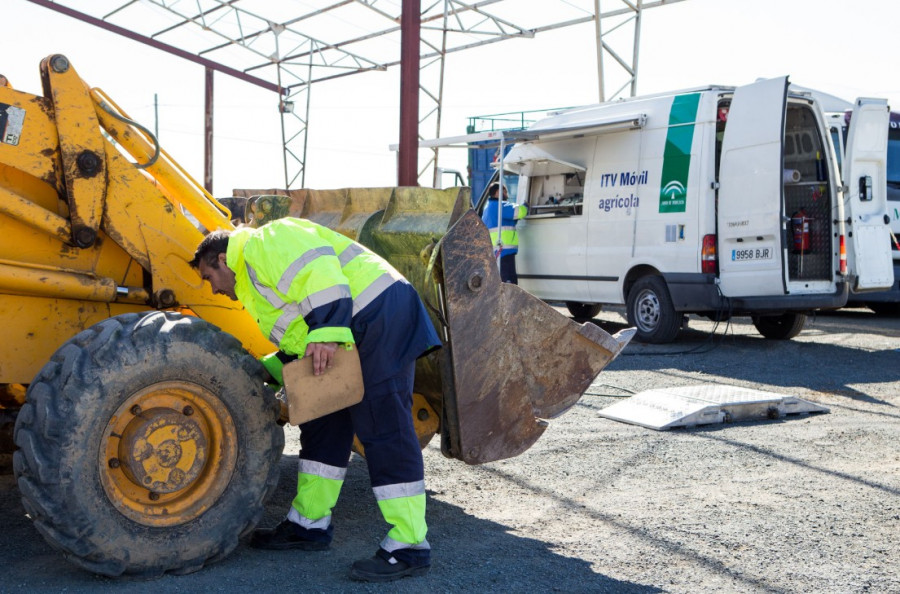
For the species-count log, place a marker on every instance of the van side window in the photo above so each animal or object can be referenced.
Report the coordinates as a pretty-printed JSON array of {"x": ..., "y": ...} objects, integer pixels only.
[
  {"x": 510, "y": 180},
  {"x": 557, "y": 194},
  {"x": 837, "y": 140},
  {"x": 893, "y": 164},
  {"x": 804, "y": 150}
]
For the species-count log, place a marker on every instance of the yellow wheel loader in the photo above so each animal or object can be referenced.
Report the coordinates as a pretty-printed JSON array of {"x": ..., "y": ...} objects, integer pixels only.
[{"x": 146, "y": 440}]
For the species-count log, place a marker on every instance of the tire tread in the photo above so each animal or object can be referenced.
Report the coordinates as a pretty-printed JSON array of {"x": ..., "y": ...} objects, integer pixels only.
[{"x": 72, "y": 381}]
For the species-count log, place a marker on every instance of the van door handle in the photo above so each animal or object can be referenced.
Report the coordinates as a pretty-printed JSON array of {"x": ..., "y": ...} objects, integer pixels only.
[{"x": 865, "y": 188}]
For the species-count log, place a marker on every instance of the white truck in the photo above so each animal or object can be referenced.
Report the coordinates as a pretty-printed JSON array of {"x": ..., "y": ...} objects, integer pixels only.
[{"x": 718, "y": 201}]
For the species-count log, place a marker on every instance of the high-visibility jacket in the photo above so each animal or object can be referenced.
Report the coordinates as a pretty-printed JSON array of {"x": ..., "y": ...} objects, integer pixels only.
[
  {"x": 303, "y": 282},
  {"x": 306, "y": 283},
  {"x": 510, "y": 214}
]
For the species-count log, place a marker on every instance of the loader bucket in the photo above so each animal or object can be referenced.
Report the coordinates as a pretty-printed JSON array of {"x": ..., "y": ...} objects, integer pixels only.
[
  {"x": 509, "y": 360},
  {"x": 512, "y": 360}
]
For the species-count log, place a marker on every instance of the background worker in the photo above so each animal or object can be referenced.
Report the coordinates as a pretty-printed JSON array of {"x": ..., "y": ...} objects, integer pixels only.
[
  {"x": 312, "y": 290},
  {"x": 509, "y": 216}
]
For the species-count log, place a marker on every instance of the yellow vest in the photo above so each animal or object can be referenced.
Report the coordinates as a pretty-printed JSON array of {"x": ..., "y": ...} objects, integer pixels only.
[{"x": 289, "y": 267}]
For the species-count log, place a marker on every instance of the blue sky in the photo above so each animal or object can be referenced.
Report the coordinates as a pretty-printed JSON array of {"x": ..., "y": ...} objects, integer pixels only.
[{"x": 843, "y": 47}]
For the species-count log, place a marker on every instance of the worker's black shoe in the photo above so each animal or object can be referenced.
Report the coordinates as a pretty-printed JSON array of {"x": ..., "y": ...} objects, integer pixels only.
[
  {"x": 385, "y": 567},
  {"x": 289, "y": 535}
]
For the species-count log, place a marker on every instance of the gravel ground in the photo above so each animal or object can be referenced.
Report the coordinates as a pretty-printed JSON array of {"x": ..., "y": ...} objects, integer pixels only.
[{"x": 801, "y": 504}]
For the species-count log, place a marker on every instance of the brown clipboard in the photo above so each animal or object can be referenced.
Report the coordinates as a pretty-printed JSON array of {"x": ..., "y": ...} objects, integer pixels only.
[{"x": 312, "y": 396}]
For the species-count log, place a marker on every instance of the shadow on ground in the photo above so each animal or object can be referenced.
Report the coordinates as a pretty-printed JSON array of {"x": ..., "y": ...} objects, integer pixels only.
[
  {"x": 832, "y": 368},
  {"x": 471, "y": 554}
]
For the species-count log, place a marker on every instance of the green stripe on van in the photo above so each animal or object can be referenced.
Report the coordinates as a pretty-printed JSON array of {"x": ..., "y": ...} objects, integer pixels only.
[{"x": 677, "y": 155}]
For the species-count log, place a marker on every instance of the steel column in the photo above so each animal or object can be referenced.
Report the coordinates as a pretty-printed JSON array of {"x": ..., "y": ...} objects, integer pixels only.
[
  {"x": 410, "y": 22},
  {"x": 637, "y": 46},
  {"x": 599, "y": 34},
  {"x": 208, "y": 133}
]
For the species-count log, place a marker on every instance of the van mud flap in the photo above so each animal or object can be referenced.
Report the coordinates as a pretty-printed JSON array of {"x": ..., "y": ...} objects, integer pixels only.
[{"x": 513, "y": 360}]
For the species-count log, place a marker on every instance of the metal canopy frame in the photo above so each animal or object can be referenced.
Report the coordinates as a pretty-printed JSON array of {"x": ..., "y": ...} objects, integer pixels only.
[{"x": 288, "y": 45}]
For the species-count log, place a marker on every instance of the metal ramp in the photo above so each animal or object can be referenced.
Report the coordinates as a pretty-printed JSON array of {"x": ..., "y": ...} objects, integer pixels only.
[{"x": 686, "y": 406}]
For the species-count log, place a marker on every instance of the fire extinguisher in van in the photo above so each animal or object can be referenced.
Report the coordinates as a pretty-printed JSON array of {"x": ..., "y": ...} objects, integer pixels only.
[{"x": 800, "y": 230}]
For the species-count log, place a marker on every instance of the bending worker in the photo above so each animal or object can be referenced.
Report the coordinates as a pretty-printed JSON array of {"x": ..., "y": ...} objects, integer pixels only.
[
  {"x": 312, "y": 290},
  {"x": 509, "y": 216}
]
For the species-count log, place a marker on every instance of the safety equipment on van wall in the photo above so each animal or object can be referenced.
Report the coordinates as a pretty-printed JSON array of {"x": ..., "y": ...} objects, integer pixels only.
[
  {"x": 800, "y": 230},
  {"x": 820, "y": 167}
]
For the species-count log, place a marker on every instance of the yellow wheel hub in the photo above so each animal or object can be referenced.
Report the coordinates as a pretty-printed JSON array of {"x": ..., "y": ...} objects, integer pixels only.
[
  {"x": 162, "y": 450},
  {"x": 168, "y": 453}
]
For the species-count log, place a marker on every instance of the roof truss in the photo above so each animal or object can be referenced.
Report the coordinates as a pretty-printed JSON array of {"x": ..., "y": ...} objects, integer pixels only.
[{"x": 287, "y": 45}]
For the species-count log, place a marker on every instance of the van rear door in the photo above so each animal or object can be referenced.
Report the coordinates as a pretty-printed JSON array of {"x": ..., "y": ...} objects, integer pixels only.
[
  {"x": 750, "y": 211},
  {"x": 865, "y": 197}
]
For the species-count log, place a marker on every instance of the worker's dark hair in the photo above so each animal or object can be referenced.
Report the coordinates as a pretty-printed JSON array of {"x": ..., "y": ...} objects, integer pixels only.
[
  {"x": 493, "y": 189},
  {"x": 209, "y": 249}
]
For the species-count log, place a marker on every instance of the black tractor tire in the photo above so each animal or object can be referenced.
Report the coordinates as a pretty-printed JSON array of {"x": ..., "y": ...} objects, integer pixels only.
[
  {"x": 884, "y": 308},
  {"x": 781, "y": 327},
  {"x": 583, "y": 311},
  {"x": 151, "y": 372},
  {"x": 649, "y": 309}
]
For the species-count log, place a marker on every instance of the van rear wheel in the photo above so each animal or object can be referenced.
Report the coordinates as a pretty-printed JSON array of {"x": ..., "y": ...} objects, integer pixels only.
[
  {"x": 585, "y": 311},
  {"x": 783, "y": 327},
  {"x": 650, "y": 310}
]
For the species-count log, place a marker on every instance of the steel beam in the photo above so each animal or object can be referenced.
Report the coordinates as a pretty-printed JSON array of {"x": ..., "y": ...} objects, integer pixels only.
[
  {"x": 407, "y": 167},
  {"x": 301, "y": 59},
  {"x": 208, "y": 133}
]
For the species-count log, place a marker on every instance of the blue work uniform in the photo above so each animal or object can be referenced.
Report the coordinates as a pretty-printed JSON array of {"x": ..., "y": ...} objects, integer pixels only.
[
  {"x": 509, "y": 216},
  {"x": 304, "y": 283}
]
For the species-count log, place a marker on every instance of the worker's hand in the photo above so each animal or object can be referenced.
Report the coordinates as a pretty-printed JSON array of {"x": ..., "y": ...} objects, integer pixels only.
[{"x": 322, "y": 354}]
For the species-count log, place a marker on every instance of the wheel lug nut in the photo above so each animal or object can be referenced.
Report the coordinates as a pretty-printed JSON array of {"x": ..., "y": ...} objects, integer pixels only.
[
  {"x": 136, "y": 410},
  {"x": 154, "y": 496},
  {"x": 114, "y": 463},
  {"x": 188, "y": 411}
]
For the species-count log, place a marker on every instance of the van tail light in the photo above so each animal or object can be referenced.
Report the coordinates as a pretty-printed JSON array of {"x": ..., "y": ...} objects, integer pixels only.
[
  {"x": 708, "y": 259},
  {"x": 843, "y": 252}
]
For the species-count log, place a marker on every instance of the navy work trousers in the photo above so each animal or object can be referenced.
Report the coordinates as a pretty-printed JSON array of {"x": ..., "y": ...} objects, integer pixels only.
[
  {"x": 382, "y": 421},
  {"x": 508, "y": 269}
]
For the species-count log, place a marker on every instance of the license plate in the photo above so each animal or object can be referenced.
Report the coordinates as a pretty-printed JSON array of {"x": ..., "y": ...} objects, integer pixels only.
[{"x": 749, "y": 254}]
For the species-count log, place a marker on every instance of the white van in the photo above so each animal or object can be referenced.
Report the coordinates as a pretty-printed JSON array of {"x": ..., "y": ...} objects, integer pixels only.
[
  {"x": 718, "y": 201},
  {"x": 881, "y": 302}
]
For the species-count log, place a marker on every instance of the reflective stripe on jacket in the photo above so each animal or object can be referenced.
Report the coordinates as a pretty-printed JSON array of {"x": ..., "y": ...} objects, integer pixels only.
[
  {"x": 511, "y": 213},
  {"x": 303, "y": 282}
]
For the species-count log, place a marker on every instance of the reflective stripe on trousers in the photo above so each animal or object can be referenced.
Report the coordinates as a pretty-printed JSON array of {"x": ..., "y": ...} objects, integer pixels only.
[
  {"x": 318, "y": 487},
  {"x": 403, "y": 506}
]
